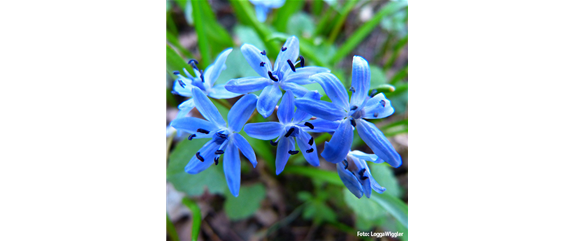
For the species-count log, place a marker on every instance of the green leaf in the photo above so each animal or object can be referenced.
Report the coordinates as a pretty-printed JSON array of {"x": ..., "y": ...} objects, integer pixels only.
[
  {"x": 358, "y": 36},
  {"x": 246, "y": 204},
  {"x": 217, "y": 35},
  {"x": 247, "y": 13},
  {"x": 175, "y": 42},
  {"x": 196, "y": 214},
  {"x": 313, "y": 172},
  {"x": 171, "y": 229},
  {"x": 375, "y": 207},
  {"x": 202, "y": 41},
  {"x": 400, "y": 75},
  {"x": 318, "y": 211},
  {"x": 174, "y": 62},
  {"x": 301, "y": 24},
  {"x": 341, "y": 19},
  {"x": 193, "y": 184},
  {"x": 383, "y": 174}
]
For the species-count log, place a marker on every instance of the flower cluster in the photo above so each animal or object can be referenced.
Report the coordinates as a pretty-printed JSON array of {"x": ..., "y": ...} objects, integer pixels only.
[{"x": 299, "y": 113}]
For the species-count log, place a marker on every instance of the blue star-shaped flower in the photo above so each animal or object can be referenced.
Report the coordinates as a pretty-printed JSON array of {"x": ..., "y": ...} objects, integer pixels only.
[
  {"x": 292, "y": 127},
  {"x": 356, "y": 175},
  {"x": 263, "y": 6},
  {"x": 352, "y": 114},
  {"x": 223, "y": 137},
  {"x": 272, "y": 79},
  {"x": 204, "y": 81}
]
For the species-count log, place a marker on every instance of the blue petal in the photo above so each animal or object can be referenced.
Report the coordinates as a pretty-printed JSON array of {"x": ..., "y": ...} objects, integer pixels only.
[
  {"x": 184, "y": 90},
  {"x": 375, "y": 185},
  {"x": 245, "y": 148},
  {"x": 207, "y": 109},
  {"x": 264, "y": 130},
  {"x": 247, "y": 84},
  {"x": 366, "y": 183},
  {"x": 303, "y": 143},
  {"x": 337, "y": 148},
  {"x": 321, "y": 109},
  {"x": 196, "y": 166},
  {"x": 367, "y": 157},
  {"x": 283, "y": 148},
  {"x": 268, "y": 100},
  {"x": 254, "y": 57},
  {"x": 301, "y": 115},
  {"x": 184, "y": 108},
  {"x": 334, "y": 89},
  {"x": 286, "y": 108},
  {"x": 261, "y": 12},
  {"x": 298, "y": 90},
  {"x": 349, "y": 180},
  {"x": 321, "y": 125},
  {"x": 301, "y": 77},
  {"x": 241, "y": 111},
  {"x": 375, "y": 139},
  {"x": 232, "y": 169},
  {"x": 375, "y": 107},
  {"x": 291, "y": 53},
  {"x": 212, "y": 72},
  {"x": 361, "y": 81},
  {"x": 219, "y": 92},
  {"x": 191, "y": 124}
]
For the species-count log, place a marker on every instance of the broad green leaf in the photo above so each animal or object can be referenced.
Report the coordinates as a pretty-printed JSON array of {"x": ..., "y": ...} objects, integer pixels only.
[
  {"x": 196, "y": 214},
  {"x": 318, "y": 211},
  {"x": 237, "y": 67},
  {"x": 246, "y": 204},
  {"x": 383, "y": 174},
  {"x": 376, "y": 207},
  {"x": 193, "y": 185}
]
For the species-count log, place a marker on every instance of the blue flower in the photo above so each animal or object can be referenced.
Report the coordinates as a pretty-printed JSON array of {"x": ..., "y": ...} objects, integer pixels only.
[
  {"x": 263, "y": 6},
  {"x": 292, "y": 127},
  {"x": 272, "y": 79},
  {"x": 204, "y": 81},
  {"x": 356, "y": 175},
  {"x": 223, "y": 137},
  {"x": 352, "y": 114}
]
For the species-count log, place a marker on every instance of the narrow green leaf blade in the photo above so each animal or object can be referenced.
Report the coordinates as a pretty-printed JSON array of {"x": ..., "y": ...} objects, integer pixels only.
[
  {"x": 171, "y": 229},
  {"x": 394, "y": 206},
  {"x": 202, "y": 40},
  {"x": 196, "y": 214}
]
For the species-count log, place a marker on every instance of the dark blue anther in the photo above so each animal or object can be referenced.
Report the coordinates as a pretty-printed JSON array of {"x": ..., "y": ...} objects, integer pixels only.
[
  {"x": 364, "y": 177},
  {"x": 201, "y": 76},
  {"x": 263, "y": 52},
  {"x": 353, "y": 122},
  {"x": 362, "y": 172},
  {"x": 193, "y": 63},
  {"x": 176, "y": 72},
  {"x": 218, "y": 152},
  {"x": 283, "y": 48},
  {"x": 190, "y": 137},
  {"x": 310, "y": 125},
  {"x": 311, "y": 141},
  {"x": 293, "y": 152},
  {"x": 216, "y": 160},
  {"x": 291, "y": 65},
  {"x": 373, "y": 93},
  {"x": 290, "y": 131},
  {"x": 221, "y": 135},
  {"x": 309, "y": 151},
  {"x": 354, "y": 107},
  {"x": 376, "y": 115},
  {"x": 203, "y": 131},
  {"x": 346, "y": 164},
  {"x": 181, "y": 83},
  {"x": 352, "y": 89},
  {"x": 383, "y": 102},
  {"x": 199, "y": 157},
  {"x": 273, "y": 143},
  {"x": 261, "y": 64},
  {"x": 271, "y": 76},
  {"x": 302, "y": 61}
]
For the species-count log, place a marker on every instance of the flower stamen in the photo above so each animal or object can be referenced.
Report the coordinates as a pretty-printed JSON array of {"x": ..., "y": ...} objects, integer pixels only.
[
  {"x": 263, "y": 52},
  {"x": 293, "y": 152},
  {"x": 193, "y": 63},
  {"x": 291, "y": 65},
  {"x": 262, "y": 64},
  {"x": 181, "y": 83},
  {"x": 353, "y": 122},
  {"x": 346, "y": 164},
  {"x": 202, "y": 131},
  {"x": 190, "y": 137},
  {"x": 271, "y": 76},
  {"x": 310, "y": 125},
  {"x": 216, "y": 160},
  {"x": 273, "y": 143},
  {"x": 302, "y": 61},
  {"x": 283, "y": 49},
  {"x": 198, "y": 155},
  {"x": 310, "y": 150},
  {"x": 352, "y": 89},
  {"x": 219, "y": 152},
  {"x": 311, "y": 141},
  {"x": 290, "y": 131},
  {"x": 176, "y": 72},
  {"x": 383, "y": 102}
]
